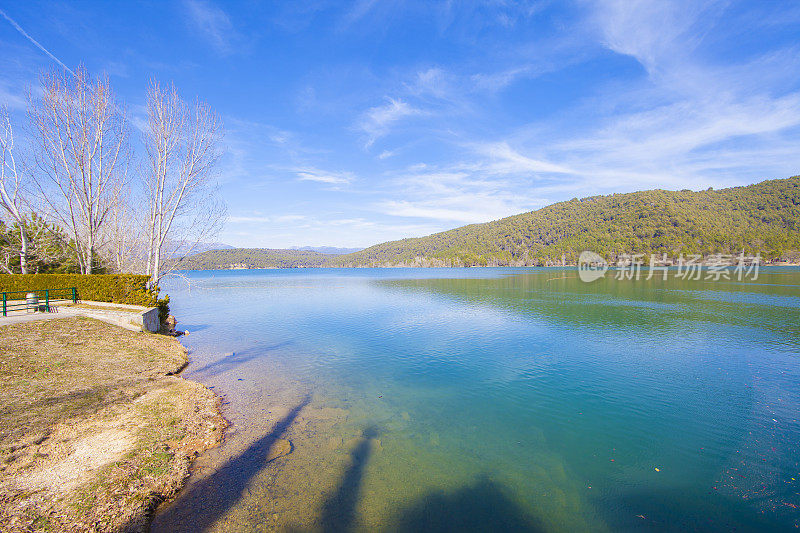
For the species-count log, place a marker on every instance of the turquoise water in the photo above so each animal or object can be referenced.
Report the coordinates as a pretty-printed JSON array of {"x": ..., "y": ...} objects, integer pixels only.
[{"x": 494, "y": 399}]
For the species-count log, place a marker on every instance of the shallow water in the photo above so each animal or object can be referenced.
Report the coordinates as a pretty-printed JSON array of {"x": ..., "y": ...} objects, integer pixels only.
[{"x": 494, "y": 399}]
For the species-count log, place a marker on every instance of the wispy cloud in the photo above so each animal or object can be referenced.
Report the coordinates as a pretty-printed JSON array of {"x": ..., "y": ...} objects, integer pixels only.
[
  {"x": 459, "y": 193},
  {"x": 378, "y": 120},
  {"x": 403, "y": 208},
  {"x": 213, "y": 23},
  {"x": 359, "y": 10},
  {"x": 432, "y": 81},
  {"x": 652, "y": 31},
  {"x": 284, "y": 231},
  {"x": 261, "y": 219},
  {"x": 322, "y": 176},
  {"x": 11, "y": 96},
  {"x": 496, "y": 81},
  {"x": 686, "y": 122},
  {"x": 505, "y": 160}
]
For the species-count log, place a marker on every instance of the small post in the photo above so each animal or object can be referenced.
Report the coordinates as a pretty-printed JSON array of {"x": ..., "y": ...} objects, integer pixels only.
[
  {"x": 74, "y": 295},
  {"x": 4, "y": 304},
  {"x": 47, "y": 300}
]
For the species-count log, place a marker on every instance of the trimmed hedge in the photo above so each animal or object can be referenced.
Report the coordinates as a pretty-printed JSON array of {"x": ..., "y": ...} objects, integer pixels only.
[{"x": 115, "y": 288}]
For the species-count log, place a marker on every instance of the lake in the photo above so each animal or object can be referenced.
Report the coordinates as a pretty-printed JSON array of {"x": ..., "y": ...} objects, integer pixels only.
[{"x": 493, "y": 399}]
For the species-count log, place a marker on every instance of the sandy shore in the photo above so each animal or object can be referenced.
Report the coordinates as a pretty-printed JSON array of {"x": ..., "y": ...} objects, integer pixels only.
[{"x": 96, "y": 429}]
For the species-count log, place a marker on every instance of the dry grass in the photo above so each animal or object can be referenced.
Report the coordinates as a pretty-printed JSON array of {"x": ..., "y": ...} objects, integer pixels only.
[{"x": 94, "y": 431}]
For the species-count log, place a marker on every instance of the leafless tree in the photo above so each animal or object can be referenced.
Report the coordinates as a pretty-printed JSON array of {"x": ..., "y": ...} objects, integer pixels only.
[
  {"x": 126, "y": 246},
  {"x": 183, "y": 146},
  {"x": 12, "y": 200},
  {"x": 81, "y": 153}
]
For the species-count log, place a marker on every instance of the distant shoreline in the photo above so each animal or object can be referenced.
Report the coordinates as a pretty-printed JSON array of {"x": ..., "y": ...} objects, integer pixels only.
[{"x": 644, "y": 267}]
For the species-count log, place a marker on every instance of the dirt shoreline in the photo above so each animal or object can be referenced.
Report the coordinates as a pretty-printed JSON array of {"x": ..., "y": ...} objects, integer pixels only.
[{"x": 97, "y": 428}]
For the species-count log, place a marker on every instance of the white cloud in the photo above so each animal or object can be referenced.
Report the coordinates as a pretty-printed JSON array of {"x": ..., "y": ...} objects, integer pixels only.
[
  {"x": 13, "y": 99},
  {"x": 461, "y": 193},
  {"x": 260, "y": 219},
  {"x": 506, "y": 160},
  {"x": 651, "y": 31},
  {"x": 432, "y": 82},
  {"x": 213, "y": 23},
  {"x": 688, "y": 122},
  {"x": 355, "y": 232},
  {"x": 359, "y": 10},
  {"x": 322, "y": 176},
  {"x": 404, "y": 208},
  {"x": 248, "y": 219},
  {"x": 497, "y": 81},
  {"x": 377, "y": 121}
]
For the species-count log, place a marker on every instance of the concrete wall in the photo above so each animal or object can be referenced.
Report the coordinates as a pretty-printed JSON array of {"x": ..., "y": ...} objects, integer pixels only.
[
  {"x": 132, "y": 317},
  {"x": 150, "y": 321}
]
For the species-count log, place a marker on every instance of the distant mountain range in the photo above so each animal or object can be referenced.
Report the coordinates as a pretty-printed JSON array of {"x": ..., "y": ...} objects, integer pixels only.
[
  {"x": 331, "y": 250},
  {"x": 200, "y": 247},
  {"x": 236, "y": 258},
  {"x": 761, "y": 218},
  {"x": 213, "y": 256}
]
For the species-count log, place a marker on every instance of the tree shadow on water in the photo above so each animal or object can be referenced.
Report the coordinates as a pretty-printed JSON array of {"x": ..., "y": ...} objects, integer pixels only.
[
  {"x": 206, "y": 500},
  {"x": 482, "y": 506},
  {"x": 339, "y": 509}
]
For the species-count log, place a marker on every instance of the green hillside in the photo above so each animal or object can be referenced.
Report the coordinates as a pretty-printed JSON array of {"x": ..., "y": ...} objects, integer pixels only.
[
  {"x": 764, "y": 217},
  {"x": 251, "y": 258}
]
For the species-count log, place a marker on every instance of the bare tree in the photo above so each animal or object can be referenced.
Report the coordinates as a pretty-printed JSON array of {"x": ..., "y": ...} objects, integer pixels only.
[
  {"x": 183, "y": 147},
  {"x": 126, "y": 246},
  {"x": 12, "y": 200},
  {"x": 81, "y": 155}
]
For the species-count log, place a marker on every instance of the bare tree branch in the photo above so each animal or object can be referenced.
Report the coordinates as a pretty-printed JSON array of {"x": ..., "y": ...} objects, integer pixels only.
[
  {"x": 183, "y": 147},
  {"x": 81, "y": 155},
  {"x": 12, "y": 200}
]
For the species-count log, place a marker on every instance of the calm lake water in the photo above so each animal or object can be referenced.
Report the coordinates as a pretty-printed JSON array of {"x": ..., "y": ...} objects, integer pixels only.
[{"x": 493, "y": 399}]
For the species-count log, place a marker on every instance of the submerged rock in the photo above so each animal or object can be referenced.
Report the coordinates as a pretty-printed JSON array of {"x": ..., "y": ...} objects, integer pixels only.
[{"x": 279, "y": 448}]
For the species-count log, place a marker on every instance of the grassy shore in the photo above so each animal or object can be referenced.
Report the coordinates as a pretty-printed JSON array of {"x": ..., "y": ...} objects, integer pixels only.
[{"x": 95, "y": 430}]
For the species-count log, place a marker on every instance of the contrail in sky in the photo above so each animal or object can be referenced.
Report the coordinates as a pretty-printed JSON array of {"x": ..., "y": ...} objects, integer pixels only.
[
  {"x": 35, "y": 42},
  {"x": 54, "y": 58}
]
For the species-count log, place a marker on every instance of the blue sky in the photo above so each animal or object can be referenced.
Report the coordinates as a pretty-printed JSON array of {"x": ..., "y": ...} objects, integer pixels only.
[{"x": 353, "y": 123}]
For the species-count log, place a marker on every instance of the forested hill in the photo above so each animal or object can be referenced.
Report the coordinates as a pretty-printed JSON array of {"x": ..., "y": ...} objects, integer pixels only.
[
  {"x": 764, "y": 218},
  {"x": 252, "y": 258}
]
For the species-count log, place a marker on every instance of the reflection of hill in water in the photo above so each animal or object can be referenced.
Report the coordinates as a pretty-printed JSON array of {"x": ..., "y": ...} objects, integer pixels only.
[{"x": 771, "y": 303}]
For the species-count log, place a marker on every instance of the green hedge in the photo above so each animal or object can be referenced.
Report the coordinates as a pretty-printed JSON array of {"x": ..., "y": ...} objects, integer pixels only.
[{"x": 115, "y": 288}]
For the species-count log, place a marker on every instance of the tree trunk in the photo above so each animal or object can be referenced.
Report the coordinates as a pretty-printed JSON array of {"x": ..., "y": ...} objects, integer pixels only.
[
  {"x": 87, "y": 267},
  {"x": 23, "y": 252},
  {"x": 156, "y": 268}
]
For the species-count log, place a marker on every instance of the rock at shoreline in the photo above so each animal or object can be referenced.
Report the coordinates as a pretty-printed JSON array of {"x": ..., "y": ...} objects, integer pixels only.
[{"x": 170, "y": 323}]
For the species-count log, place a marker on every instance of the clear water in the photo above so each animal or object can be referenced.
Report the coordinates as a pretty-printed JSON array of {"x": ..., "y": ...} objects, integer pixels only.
[{"x": 494, "y": 399}]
